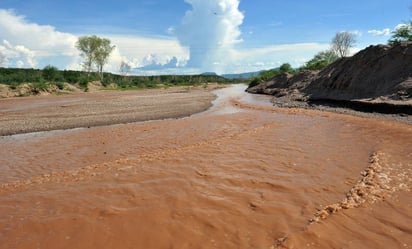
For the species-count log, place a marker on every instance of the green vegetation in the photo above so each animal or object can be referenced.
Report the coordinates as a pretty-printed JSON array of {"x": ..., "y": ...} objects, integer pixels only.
[
  {"x": 95, "y": 51},
  {"x": 51, "y": 79},
  {"x": 268, "y": 74},
  {"x": 320, "y": 60},
  {"x": 340, "y": 45},
  {"x": 401, "y": 34},
  {"x": 136, "y": 82},
  {"x": 50, "y": 73},
  {"x": 286, "y": 68}
]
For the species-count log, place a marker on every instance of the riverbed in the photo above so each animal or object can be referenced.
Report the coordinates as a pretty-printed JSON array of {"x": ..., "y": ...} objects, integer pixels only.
[{"x": 241, "y": 174}]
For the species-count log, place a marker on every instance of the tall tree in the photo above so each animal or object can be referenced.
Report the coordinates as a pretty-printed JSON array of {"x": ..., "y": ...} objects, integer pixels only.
[
  {"x": 87, "y": 46},
  {"x": 342, "y": 42},
  {"x": 95, "y": 51},
  {"x": 102, "y": 54}
]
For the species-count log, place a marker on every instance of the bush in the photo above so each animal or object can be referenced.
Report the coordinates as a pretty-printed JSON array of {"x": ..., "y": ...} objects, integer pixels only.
[
  {"x": 40, "y": 87},
  {"x": 60, "y": 85},
  {"x": 50, "y": 73},
  {"x": 286, "y": 68},
  {"x": 71, "y": 77},
  {"x": 321, "y": 60},
  {"x": 84, "y": 83},
  {"x": 401, "y": 34}
]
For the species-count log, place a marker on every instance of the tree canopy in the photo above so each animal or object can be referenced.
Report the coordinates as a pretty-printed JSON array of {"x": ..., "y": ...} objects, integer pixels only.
[
  {"x": 402, "y": 34},
  {"x": 95, "y": 51},
  {"x": 321, "y": 60},
  {"x": 50, "y": 73},
  {"x": 286, "y": 68}
]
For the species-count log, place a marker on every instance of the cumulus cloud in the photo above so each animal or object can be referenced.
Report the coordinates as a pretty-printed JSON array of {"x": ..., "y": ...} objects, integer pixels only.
[
  {"x": 20, "y": 54},
  {"x": 207, "y": 40},
  {"x": 383, "y": 32},
  {"x": 139, "y": 52},
  {"x": 388, "y": 31},
  {"x": 24, "y": 42},
  {"x": 210, "y": 30}
]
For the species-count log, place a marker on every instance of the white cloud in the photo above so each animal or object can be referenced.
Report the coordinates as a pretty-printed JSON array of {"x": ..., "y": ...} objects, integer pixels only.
[
  {"x": 210, "y": 30},
  {"x": 388, "y": 31},
  {"x": 16, "y": 53},
  {"x": 143, "y": 51},
  {"x": 27, "y": 42},
  {"x": 402, "y": 25},
  {"x": 383, "y": 32},
  {"x": 3, "y": 59},
  {"x": 208, "y": 39}
]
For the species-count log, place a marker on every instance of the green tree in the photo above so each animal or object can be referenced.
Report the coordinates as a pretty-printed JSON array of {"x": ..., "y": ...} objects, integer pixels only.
[
  {"x": 402, "y": 34},
  {"x": 321, "y": 60},
  {"x": 102, "y": 53},
  {"x": 95, "y": 51},
  {"x": 87, "y": 46},
  {"x": 342, "y": 42},
  {"x": 50, "y": 73}
]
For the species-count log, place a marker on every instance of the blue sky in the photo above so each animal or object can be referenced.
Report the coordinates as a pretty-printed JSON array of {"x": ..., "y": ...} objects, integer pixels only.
[{"x": 190, "y": 36}]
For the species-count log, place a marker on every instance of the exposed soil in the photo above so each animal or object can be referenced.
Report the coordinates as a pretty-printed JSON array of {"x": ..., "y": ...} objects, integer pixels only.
[{"x": 378, "y": 79}]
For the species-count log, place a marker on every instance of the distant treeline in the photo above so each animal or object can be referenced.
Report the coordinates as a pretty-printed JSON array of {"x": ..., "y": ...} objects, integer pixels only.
[{"x": 50, "y": 74}]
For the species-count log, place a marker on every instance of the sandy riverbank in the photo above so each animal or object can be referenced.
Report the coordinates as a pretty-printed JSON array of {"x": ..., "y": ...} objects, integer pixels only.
[{"x": 43, "y": 113}]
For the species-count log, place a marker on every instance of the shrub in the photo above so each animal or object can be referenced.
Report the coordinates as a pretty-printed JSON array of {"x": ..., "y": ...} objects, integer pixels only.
[
  {"x": 50, "y": 73},
  {"x": 60, "y": 85},
  {"x": 84, "y": 83},
  {"x": 71, "y": 77}
]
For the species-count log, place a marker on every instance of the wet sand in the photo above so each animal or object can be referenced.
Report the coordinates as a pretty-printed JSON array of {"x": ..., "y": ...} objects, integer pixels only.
[{"x": 240, "y": 175}]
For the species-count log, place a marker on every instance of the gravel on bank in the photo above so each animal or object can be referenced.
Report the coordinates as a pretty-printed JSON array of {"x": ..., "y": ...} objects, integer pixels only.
[
  {"x": 45, "y": 113},
  {"x": 287, "y": 102}
]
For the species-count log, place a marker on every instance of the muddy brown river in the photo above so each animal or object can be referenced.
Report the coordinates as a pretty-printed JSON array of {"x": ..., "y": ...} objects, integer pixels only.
[{"x": 241, "y": 175}]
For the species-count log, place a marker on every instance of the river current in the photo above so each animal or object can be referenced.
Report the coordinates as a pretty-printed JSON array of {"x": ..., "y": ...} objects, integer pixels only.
[{"x": 241, "y": 175}]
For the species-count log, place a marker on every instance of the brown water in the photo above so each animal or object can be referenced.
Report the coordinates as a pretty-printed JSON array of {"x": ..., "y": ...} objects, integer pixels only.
[{"x": 241, "y": 175}]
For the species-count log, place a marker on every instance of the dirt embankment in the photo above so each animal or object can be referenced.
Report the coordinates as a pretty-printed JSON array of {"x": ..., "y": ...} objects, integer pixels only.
[{"x": 377, "y": 79}]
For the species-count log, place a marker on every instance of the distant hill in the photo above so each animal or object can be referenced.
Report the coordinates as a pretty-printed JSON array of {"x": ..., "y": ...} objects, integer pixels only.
[
  {"x": 209, "y": 74},
  {"x": 248, "y": 75}
]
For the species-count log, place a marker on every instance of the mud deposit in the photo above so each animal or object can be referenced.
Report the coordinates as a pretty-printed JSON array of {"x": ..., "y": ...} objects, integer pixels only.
[{"x": 240, "y": 175}]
